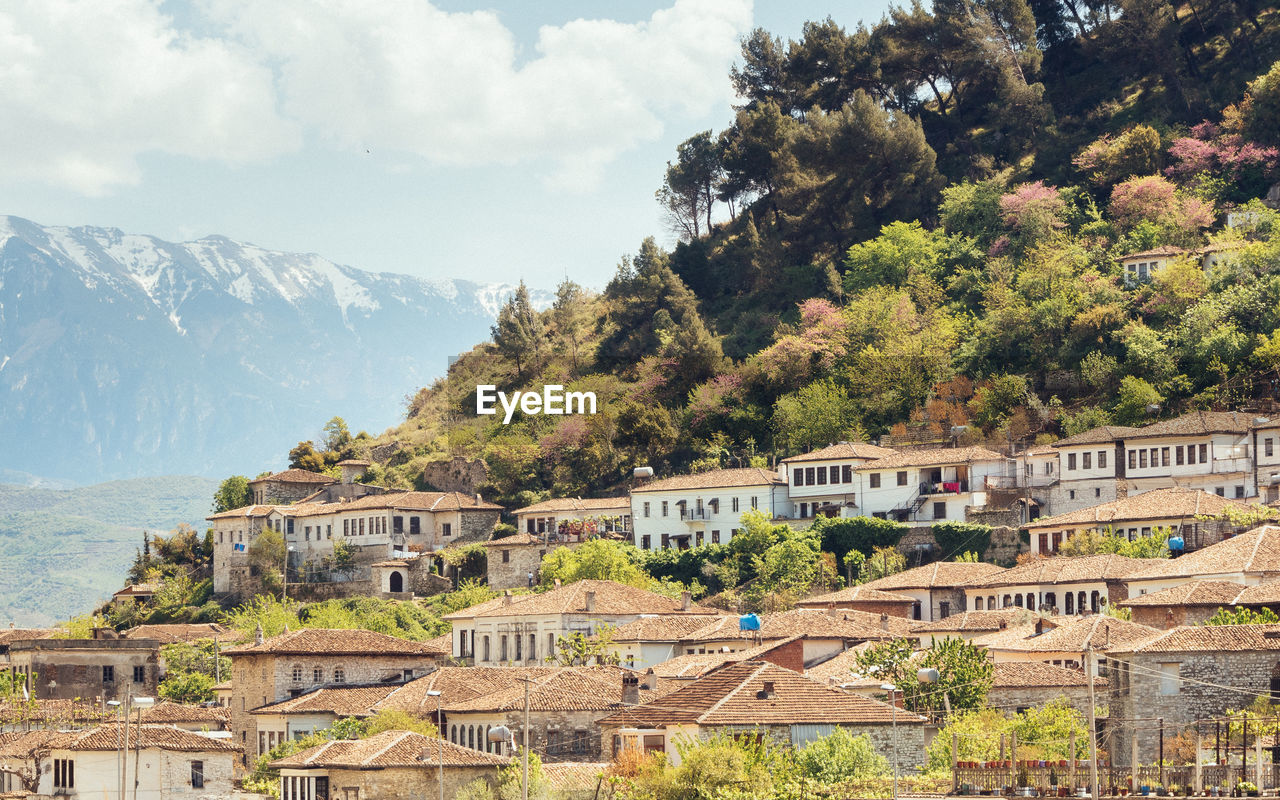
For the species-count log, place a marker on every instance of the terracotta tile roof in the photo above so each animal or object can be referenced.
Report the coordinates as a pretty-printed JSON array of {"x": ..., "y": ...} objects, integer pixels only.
[
  {"x": 388, "y": 749},
  {"x": 1106, "y": 434},
  {"x": 1063, "y": 570},
  {"x": 343, "y": 701},
  {"x": 354, "y": 462},
  {"x": 443, "y": 642},
  {"x": 933, "y": 457},
  {"x": 13, "y": 634},
  {"x": 54, "y": 711},
  {"x": 1100, "y": 631},
  {"x": 1257, "y": 551},
  {"x": 855, "y": 594},
  {"x": 173, "y": 633},
  {"x": 393, "y": 501},
  {"x": 731, "y": 696},
  {"x": 574, "y": 776},
  {"x": 1169, "y": 503},
  {"x": 1264, "y": 594},
  {"x": 611, "y": 599},
  {"x": 522, "y": 539},
  {"x": 844, "y": 624},
  {"x": 244, "y": 511},
  {"x": 1207, "y": 638},
  {"x": 456, "y": 684},
  {"x": 1193, "y": 593},
  {"x": 843, "y": 450},
  {"x": 105, "y": 738},
  {"x": 167, "y": 713},
  {"x": 1197, "y": 423},
  {"x": 22, "y": 744},
  {"x": 391, "y": 562},
  {"x": 294, "y": 476},
  {"x": 715, "y": 479},
  {"x": 565, "y": 689},
  {"x": 660, "y": 628},
  {"x": 140, "y": 589},
  {"x": 1039, "y": 675},
  {"x": 940, "y": 574},
  {"x": 336, "y": 642},
  {"x": 586, "y": 506},
  {"x": 695, "y": 665},
  {"x": 977, "y": 621},
  {"x": 840, "y": 667},
  {"x": 1163, "y": 251}
]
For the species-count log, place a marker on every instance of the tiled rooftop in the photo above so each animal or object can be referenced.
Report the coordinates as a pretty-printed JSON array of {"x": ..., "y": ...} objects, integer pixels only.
[
  {"x": 933, "y": 457},
  {"x": 714, "y": 479},
  {"x": 611, "y": 599},
  {"x": 388, "y": 749},
  {"x": 842, "y": 451},
  {"x": 938, "y": 575},
  {"x": 1167, "y": 503},
  {"x": 334, "y": 642}
]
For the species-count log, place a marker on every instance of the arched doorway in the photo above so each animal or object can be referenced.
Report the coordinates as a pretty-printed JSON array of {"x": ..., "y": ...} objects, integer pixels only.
[{"x": 397, "y": 581}]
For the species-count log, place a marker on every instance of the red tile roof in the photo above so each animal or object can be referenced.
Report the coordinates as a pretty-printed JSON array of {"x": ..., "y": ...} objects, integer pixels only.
[
  {"x": 1193, "y": 593},
  {"x": 611, "y": 599},
  {"x": 1207, "y": 638},
  {"x": 855, "y": 594},
  {"x": 106, "y": 738},
  {"x": 933, "y": 457},
  {"x": 715, "y": 479},
  {"x": 1255, "y": 552},
  {"x": 1077, "y": 634},
  {"x": 343, "y": 701},
  {"x": 938, "y": 575},
  {"x": 1169, "y": 503},
  {"x": 843, "y": 451},
  {"x": 294, "y": 476},
  {"x": 1063, "y": 570},
  {"x": 1197, "y": 423},
  {"x": 735, "y": 695},
  {"x": 1039, "y": 675},
  {"x": 456, "y": 685},
  {"x": 1106, "y": 434},
  {"x": 660, "y": 628},
  {"x": 388, "y": 749},
  {"x": 336, "y": 642},
  {"x": 167, "y": 713},
  {"x": 578, "y": 504},
  {"x": 565, "y": 689},
  {"x": 977, "y": 621},
  {"x": 173, "y": 633}
]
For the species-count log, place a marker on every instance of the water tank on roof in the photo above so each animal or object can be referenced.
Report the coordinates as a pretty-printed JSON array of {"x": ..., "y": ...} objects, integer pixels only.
[
  {"x": 1176, "y": 544},
  {"x": 748, "y": 622}
]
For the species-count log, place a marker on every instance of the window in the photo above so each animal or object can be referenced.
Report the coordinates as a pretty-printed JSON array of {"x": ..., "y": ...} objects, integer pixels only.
[
  {"x": 1178, "y": 457},
  {"x": 506, "y": 556},
  {"x": 646, "y": 510},
  {"x": 1267, "y": 447},
  {"x": 1220, "y": 492},
  {"x": 415, "y": 525},
  {"x": 197, "y": 774},
  {"x": 822, "y": 476},
  {"x": 804, "y": 510},
  {"x": 646, "y": 543},
  {"x": 1097, "y": 492},
  {"x": 873, "y": 480},
  {"x": 486, "y": 649},
  {"x": 1164, "y": 456},
  {"x": 735, "y": 505},
  {"x": 64, "y": 773},
  {"x": 317, "y": 675},
  {"x": 339, "y": 675},
  {"x": 715, "y": 537},
  {"x": 297, "y": 673},
  {"x": 519, "y": 648},
  {"x": 835, "y": 474},
  {"x": 902, "y": 478},
  {"x": 754, "y": 500},
  {"x": 551, "y": 643},
  {"x": 666, "y": 541},
  {"x": 502, "y": 648},
  {"x": 1071, "y": 494},
  {"x": 1239, "y": 491},
  {"x": 944, "y": 609},
  {"x": 1204, "y": 453},
  {"x": 797, "y": 476},
  {"x": 108, "y": 674},
  {"x": 1102, "y": 459},
  {"x": 140, "y": 672},
  {"x": 1142, "y": 459},
  {"x": 533, "y": 647},
  {"x": 346, "y": 527},
  {"x": 361, "y": 527},
  {"x": 665, "y": 508},
  {"x": 939, "y": 510},
  {"x": 809, "y": 477},
  {"x": 1086, "y": 460},
  {"x": 1133, "y": 459},
  {"x": 1071, "y": 462},
  {"x": 847, "y": 473},
  {"x": 1191, "y": 454},
  {"x": 447, "y": 528},
  {"x": 1169, "y": 678},
  {"x": 397, "y": 524}
]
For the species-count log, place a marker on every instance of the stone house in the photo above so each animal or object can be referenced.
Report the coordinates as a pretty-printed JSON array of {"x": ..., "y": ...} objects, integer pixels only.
[
  {"x": 653, "y": 639},
  {"x": 194, "y": 718},
  {"x": 937, "y": 588},
  {"x": 317, "y": 709},
  {"x": 524, "y": 629},
  {"x": 1209, "y": 450},
  {"x": 822, "y": 482},
  {"x": 1174, "y": 509},
  {"x": 1019, "y": 685},
  {"x": 290, "y": 486},
  {"x": 134, "y": 593},
  {"x": 824, "y": 633},
  {"x": 169, "y": 763},
  {"x": 1142, "y": 266},
  {"x": 106, "y": 668},
  {"x": 1063, "y": 642},
  {"x": 1090, "y": 467},
  {"x": 706, "y": 508},
  {"x": 1189, "y": 673},
  {"x": 1193, "y": 603},
  {"x": 969, "y": 625},
  {"x": 389, "y": 764},
  {"x": 184, "y": 632},
  {"x": 266, "y": 672},
  {"x": 563, "y": 519},
  {"x": 758, "y": 698},
  {"x": 515, "y": 561},
  {"x": 863, "y": 598},
  {"x": 929, "y": 485},
  {"x": 1058, "y": 585},
  {"x": 1250, "y": 559},
  {"x": 563, "y": 708}
]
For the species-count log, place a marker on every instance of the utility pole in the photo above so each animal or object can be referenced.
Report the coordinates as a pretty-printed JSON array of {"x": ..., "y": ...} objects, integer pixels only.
[
  {"x": 524, "y": 784},
  {"x": 1093, "y": 728}
]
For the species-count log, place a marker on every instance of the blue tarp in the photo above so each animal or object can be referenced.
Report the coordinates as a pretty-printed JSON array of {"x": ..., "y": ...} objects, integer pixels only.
[{"x": 748, "y": 622}]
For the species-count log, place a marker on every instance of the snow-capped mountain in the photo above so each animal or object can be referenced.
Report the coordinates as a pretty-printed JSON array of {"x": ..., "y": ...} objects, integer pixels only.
[{"x": 124, "y": 355}]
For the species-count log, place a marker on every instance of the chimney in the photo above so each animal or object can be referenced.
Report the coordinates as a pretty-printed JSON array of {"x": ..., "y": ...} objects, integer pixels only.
[
  {"x": 257, "y": 634},
  {"x": 630, "y": 689},
  {"x": 478, "y": 499},
  {"x": 1004, "y": 623},
  {"x": 884, "y": 620},
  {"x": 650, "y": 680},
  {"x": 1039, "y": 626},
  {"x": 591, "y": 602},
  {"x": 557, "y": 582},
  {"x": 767, "y": 692},
  {"x": 506, "y": 597},
  {"x": 831, "y": 610},
  {"x": 686, "y": 599}
]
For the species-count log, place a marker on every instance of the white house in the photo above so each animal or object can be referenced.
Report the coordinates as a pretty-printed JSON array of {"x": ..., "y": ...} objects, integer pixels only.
[
  {"x": 1266, "y": 449},
  {"x": 1209, "y": 450},
  {"x": 705, "y": 508},
  {"x": 822, "y": 481},
  {"x": 929, "y": 485},
  {"x": 1141, "y": 267},
  {"x": 611, "y": 514},
  {"x": 1054, "y": 585},
  {"x": 1249, "y": 559}
]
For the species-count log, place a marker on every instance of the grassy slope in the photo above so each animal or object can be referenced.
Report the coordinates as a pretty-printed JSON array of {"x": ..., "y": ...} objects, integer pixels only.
[{"x": 63, "y": 550}]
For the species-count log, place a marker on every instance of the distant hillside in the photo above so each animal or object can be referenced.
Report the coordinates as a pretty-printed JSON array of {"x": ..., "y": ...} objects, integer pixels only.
[
  {"x": 123, "y": 355},
  {"x": 62, "y": 551}
]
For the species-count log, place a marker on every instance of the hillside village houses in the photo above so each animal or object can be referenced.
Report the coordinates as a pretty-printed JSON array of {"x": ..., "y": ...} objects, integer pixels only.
[
  {"x": 704, "y": 508},
  {"x": 565, "y": 518}
]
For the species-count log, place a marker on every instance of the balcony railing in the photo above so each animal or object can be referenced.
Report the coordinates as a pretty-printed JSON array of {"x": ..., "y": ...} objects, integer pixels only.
[
  {"x": 694, "y": 514},
  {"x": 944, "y": 487}
]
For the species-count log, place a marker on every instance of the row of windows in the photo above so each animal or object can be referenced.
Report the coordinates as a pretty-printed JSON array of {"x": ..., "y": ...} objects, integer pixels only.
[
  {"x": 1073, "y": 602},
  {"x": 513, "y": 646},
  {"x": 713, "y": 503},
  {"x": 317, "y": 674},
  {"x": 873, "y": 480},
  {"x": 109, "y": 673},
  {"x": 1159, "y": 456},
  {"x": 646, "y": 541},
  {"x": 817, "y": 476},
  {"x": 1086, "y": 460}
]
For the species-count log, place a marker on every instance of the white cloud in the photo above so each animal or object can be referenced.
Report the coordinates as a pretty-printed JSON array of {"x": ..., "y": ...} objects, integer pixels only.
[
  {"x": 88, "y": 87},
  {"x": 85, "y": 87}
]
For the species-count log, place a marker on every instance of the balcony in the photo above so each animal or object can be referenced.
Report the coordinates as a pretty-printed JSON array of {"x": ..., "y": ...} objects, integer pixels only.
[
  {"x": 1224, "y": 466},
  {"x": 944, "y": 487},
  {"x": 696, "y": 514}
]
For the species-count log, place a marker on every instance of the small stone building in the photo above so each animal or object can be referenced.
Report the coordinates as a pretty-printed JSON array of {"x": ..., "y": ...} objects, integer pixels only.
[
  {"x": 862, "y": 598},
  {"x": 271, "y": 670},
  {"x": 1017, "y": 686},
  {"x": 1193, "y": 603},
  {"x": 757, "y": 698},
  {"x": 107, "y": 668},
  {"x": 1186, "y": 674},
  {"x": 389, "y": 764},
  {"x": 515, "y": 561},
  {"x": 290, "y": 486},
  {"x": 937, "y": 588}
]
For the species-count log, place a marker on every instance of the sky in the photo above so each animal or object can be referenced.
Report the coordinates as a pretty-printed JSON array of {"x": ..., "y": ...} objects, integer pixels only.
[{"x": 446, "y": 139}]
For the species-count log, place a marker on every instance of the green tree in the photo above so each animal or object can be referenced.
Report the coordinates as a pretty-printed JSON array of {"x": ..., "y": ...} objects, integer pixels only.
[
  {"x": 1134, "y": 398},
  {"x": 232, "y": 493},
  {"x": 964, "y": 673},
  {"x": 571, "y": 316},
  {"x": 902, "y": 250},
  {"x": 843, "y": 535},
  {"x": 690, "y": 186},
  {"x": 955, "y": 537},
  {"x": 1238, "y": 615},
  {"x": 394, "y": 719},
  {"x": 264, "y": 611},
  {"x": 841, "y": 756},
  {"x": 885, "y": 561},
  {"x": 518, "y": 332},
  {"x": 187, "y": 687},
  {"x": 336, "y": 435},
  {"x": 595, "y": 559},
  {"x": 1262, "y": 107},
  {"x": 511, "y": 779},
  {"x": 267, "y": 557},
  {"x": 304, "y": 456},
  {"x": 579, "y": 650},
  {"x": 817, "y": 415}
]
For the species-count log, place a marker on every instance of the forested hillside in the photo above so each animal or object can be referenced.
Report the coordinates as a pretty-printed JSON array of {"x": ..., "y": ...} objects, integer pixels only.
[{"x": 910, "y": 228}]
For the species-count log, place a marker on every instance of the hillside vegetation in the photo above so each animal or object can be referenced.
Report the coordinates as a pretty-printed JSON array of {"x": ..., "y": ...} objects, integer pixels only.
[{"x": 910, "y": 229}]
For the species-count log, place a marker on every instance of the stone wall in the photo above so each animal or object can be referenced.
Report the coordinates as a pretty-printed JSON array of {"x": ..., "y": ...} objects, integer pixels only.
[
  {"x": 281, "y": 493},
  {"x": 1005, "y": 546},
  {"x": 376, "y": 784},
  {"x": 74, "y": 668},
  {"x": 218, "y": 769},
  {"x": 1088, "y": 493},
  {"x": 512, "y": 571},
  {"x": 1165, "y": 617},
  {"x": 1011, "y": 700},
  {"x": 476, "y": 526},
  {"x": 455, "y": 475}
]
